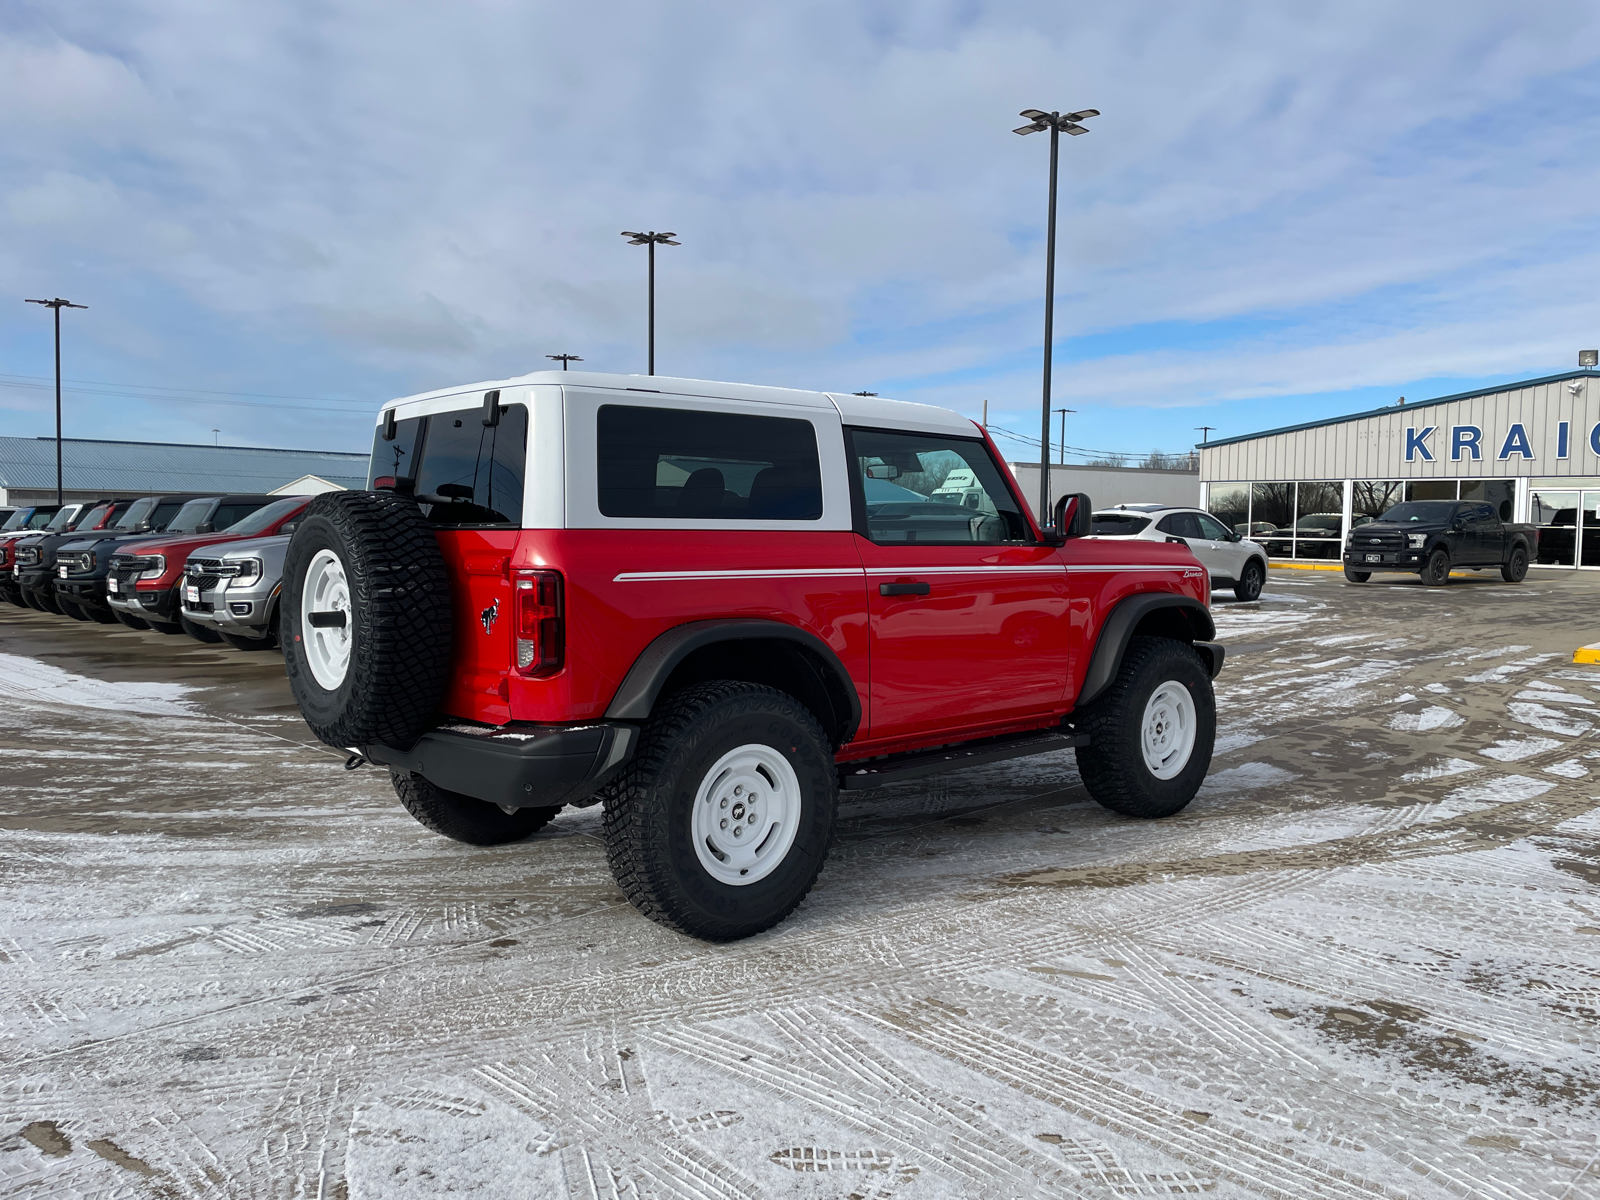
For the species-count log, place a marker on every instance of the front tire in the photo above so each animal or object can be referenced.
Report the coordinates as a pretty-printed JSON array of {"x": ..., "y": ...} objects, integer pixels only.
[
  {"x": 130, "y": 621},
  {"x": 68, "y": 609},
  {"x": 466, "y": 818},
  {"x": 199, "y": 633},
  {"x": 1250, "y": 581},
  {"x": 720, "y": 763},
  {"x": 1436, "y": 572},
  {"x": 240, "y": 642},
  {"x": 1357, "y": 576},
  {"x": 1515, "y": 569},
  {"x": 1151, "y": 732}
]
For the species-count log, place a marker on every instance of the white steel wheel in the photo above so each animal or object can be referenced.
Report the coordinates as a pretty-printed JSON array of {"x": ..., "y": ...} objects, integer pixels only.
[
  {"x": 1167, "y": 731},
  {"x": 326, "y": 591},
  {"x": 746, "y": 814}
]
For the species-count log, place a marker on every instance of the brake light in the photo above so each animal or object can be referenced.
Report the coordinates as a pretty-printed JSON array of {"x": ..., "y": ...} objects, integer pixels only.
[
  {"x": 383, "y": 483},
  {"x": 541, "y": 625}
]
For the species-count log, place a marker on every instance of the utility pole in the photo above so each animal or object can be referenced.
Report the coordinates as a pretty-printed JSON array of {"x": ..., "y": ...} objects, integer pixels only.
[
  {"x": 58, "y": 304},
  {"x": 1057, "y": 123},
  {"x": 1064, "y": 412},
  {"x": 564, "y": 359},
  {"x": 652, "y": 239}
]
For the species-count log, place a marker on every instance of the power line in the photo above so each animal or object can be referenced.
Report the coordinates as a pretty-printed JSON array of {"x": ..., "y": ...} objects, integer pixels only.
[
  {"x": 326, "y": 407},
  {"x": 156, "y": 387}
]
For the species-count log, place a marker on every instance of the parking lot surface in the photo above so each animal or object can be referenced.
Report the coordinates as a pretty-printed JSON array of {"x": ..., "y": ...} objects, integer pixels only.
[{"x": 1364, "y": 962}]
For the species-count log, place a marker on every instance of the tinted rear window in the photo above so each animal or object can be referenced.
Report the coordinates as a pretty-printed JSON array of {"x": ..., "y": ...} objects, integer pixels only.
[
  {"x": 478, "y": 467},
  {"x": 666, "y": 462},
  {"x": 1117, "y": 524}
]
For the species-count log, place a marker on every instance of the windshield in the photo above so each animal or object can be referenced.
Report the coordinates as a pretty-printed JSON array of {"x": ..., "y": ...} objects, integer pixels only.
[
  {"x": 137, "y": 514},
  {"x": 263, "y": 518},
  {"x": 16, "y": 520},
  {"x": 1435, "y": 512},
  {"x": 1116, "y": 524},
  {"x": 191, "y": 515},
  {"x": 63, "y": 518},
  {"x": 94, "y": 516}
]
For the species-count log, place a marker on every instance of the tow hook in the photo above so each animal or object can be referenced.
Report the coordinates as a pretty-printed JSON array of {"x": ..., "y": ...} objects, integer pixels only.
[{"x": 356, "y": 761}]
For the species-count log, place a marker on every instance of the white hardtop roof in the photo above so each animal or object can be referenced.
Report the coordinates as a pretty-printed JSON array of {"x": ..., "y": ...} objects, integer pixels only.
[{"x": 854, "y": 410}]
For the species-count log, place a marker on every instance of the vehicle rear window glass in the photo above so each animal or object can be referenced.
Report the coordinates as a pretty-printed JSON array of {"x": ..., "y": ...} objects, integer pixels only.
[
  {"x": 958, "y": 493},
  {"x": 191, "y": 515},
  {"x": 1434, "y": 512},
  {"x": 268, "y": 514},
  {"x": 475, "y": 469},
  {"x": 228, "y": 515},
  {"x": 1117, "y": 524},
  {"x": 397, "y": 456},
  {"x": 667, "y": 462}
]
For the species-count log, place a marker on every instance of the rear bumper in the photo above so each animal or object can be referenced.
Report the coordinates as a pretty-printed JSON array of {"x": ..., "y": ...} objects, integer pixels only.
[{"x": 521, "y": 764}]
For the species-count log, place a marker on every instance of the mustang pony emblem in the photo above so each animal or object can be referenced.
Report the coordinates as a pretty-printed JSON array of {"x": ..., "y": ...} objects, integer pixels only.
[{"x": 488, "y": 615}]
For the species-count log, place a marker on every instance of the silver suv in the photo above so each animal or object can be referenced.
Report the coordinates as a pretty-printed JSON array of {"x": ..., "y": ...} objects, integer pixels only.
[{"x": 233, "y": 588}]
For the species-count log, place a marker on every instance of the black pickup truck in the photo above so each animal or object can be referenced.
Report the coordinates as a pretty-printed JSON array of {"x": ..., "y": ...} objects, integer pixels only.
[{"x": 1433, "y": 537}]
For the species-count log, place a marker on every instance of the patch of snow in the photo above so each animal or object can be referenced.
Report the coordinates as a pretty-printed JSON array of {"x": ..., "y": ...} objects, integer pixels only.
[
  {"x": 1450, "y": 766},
  {"x": 34, "y": 682},
  {"x": 1500, "y": 653},
  {"x": 1546, "y": 694},
  {"x": 1247, "y": 778},
  {"x": 1438, "y": 688},
  {"x": 1550, "y": 720},
  {"x": 1569, "y": 769},
  {"x": 1511, "y": 750},
  {"x": 1432, "y": 717},
  {"x": 1501, "y": 673}
]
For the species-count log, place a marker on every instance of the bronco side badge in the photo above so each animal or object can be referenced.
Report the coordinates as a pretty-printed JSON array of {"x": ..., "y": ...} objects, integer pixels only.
[{"x": 488, "y": 615}]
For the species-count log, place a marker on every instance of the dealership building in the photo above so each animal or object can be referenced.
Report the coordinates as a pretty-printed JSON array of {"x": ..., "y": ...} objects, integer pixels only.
[{"x": 1530, "y": 449}]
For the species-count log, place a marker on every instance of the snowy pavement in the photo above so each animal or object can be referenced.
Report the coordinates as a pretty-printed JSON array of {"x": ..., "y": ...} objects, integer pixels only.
[{"x": 1365, "y": 962}]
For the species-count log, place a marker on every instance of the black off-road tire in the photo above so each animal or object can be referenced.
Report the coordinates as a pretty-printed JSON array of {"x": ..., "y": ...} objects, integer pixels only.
[
  {"x": 200, "y": 633},
  {"x": 648, "y": 833},
  {"x": 1436, "y": 571},
  {"x": 466, "y": 818},
  {"x": 68, "y": 609},
  {"x": 167, "y": 627},
  {"x": 400, "y": 619},
  {"x": 1515, "y": 568},
  {"x": 40, "y": 603},
  {"x": 128, "y": 619},
  {"x": 1355, "y": 576},
  {"x": 239, "y": 642},
  {"x": 100, "y": 616},
  {"x": 1251, "y": 580},
  {"x": 1112, "y": 764}
]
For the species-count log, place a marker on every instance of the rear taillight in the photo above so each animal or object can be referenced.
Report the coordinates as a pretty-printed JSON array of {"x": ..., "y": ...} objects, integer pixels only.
[{"x": 541, "y": 625}]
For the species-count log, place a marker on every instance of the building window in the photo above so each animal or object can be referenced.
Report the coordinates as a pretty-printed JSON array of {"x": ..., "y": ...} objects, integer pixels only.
[
  {"x": 1230, "y": 504},
  {"x": 1370, "y": 499}
]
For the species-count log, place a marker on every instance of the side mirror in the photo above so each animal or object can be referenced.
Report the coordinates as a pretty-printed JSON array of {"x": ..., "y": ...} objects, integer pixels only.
[
  {"x": 288, "y": 526},
  {"x": 491, "y": 408},
  {"x": 1071, "y": 518},
  {"x": 1457, "y": 525},
  {"x": 205, "y": 527}
]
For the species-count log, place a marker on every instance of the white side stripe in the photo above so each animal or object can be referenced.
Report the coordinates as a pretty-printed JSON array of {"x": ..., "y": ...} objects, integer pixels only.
[
  {"x": 779, "y": 573},
  {"x": 858, "y": 572}
]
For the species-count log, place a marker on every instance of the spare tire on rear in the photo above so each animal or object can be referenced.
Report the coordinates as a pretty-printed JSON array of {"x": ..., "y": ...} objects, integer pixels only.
[{"x": 365, "y": 619}]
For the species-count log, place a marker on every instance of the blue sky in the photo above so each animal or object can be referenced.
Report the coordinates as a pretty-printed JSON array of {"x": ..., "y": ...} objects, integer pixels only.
[{"x": 281, "y": 215}]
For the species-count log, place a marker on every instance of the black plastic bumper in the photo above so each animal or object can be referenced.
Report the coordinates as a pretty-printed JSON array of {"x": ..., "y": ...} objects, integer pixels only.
[
  {"x": 83, "y": 591},
  {"x": 520, "y": 764}
]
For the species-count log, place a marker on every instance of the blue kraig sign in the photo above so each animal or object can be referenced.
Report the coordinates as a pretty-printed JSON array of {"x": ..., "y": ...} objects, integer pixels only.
[{"x": 1466, "y": 441}]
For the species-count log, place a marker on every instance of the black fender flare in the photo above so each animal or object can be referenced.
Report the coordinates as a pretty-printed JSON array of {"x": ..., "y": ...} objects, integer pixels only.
[
  {"x": 640, "y": 687},
  {"x": 1117, "y": 631}
]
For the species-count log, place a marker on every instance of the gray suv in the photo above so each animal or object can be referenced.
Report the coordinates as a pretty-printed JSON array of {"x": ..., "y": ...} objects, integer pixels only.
[{"x": 233, "y": 588}]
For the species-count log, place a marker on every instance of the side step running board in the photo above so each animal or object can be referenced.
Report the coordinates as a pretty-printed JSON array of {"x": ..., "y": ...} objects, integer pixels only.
[{"x": 893, "y": 768}]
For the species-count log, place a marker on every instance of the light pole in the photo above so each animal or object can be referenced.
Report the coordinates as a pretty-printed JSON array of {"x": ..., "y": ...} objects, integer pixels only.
[
  {"x": 58, "y": 304},
  {"x": 1204, "y": 431},
  {"x": 1064, "y": 412},
  {"x": 564, "y": 359},
  {"x": 652, "y": 239},
  {"x": 1057, "y": 123},
  {"x": 216, "y": 437}
]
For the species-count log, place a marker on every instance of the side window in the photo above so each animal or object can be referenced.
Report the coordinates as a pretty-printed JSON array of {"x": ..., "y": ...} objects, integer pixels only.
[
  {"x": 933, "y": 490},
  {"x": 1483, "y": 515},
  {"x": 475, "y": 469},
  {"x": 663, "y": 462},
  {"x": 396, "y": 457},
  {"x": 1181, "y": 525},
  {"x": 1212, "y": 528}
]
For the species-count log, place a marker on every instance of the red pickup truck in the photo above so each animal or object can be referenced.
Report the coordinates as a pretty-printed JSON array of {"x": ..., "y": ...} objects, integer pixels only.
[{"x": 712, "y": 606}]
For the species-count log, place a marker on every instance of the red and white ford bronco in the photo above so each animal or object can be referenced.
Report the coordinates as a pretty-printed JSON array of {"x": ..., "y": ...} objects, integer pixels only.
[{"x": 710, "y": 607}]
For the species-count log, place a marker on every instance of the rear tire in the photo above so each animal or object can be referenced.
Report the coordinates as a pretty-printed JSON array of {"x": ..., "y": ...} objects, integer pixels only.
[
  {"x": 466, "y": 818},
  {"x": 1357, "y": 576},
  {"x": 1515, "y": 569},
  {"x": 1436, "y": 572},
  {"x": 1151, "y": 732},
  {"x": 718, "y": 760},
  {"x": 1250, "y": 581},
  {"x": 199, "y": 633}
]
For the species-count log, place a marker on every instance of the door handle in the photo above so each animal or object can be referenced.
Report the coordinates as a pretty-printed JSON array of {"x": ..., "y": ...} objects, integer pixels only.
[
  {"x": 903, "y": 589},
  {"x": 1179, "y": 540}
]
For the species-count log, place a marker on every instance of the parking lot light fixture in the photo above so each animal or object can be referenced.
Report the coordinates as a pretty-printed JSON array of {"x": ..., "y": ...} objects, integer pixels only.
[
  {"x": 1056, "y": 123},
  {"x": 651, "y": 239},
  {"x": 1064, "y": 412},
  {"x": 58, "y": 304},
  {"x": 564, "y": 359}
]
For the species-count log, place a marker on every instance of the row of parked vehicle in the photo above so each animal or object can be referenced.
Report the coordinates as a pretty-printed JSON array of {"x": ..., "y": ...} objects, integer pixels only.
[{"x": 207, "y": 566}]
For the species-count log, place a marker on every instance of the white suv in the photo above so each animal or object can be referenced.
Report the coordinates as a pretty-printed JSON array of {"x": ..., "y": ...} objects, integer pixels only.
[{"x": 1231, "y": 560}]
